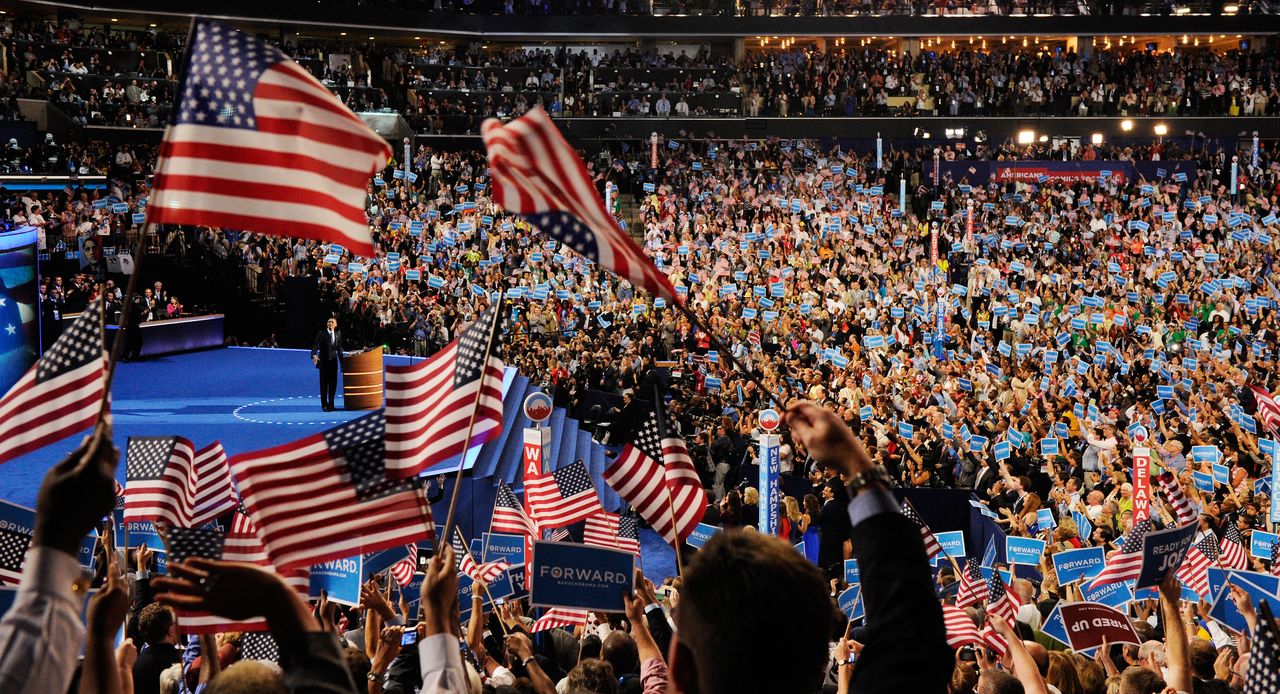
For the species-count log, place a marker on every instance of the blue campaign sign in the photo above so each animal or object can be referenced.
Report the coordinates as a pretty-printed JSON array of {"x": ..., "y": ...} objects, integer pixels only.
[
  {"x": 516, "y": 575},
  {"x": 1112, "y": 595},
  {"x": 851, "y": 602},
  {"x": 377, "y": 562},
  {"x": 1075, "y": 564},
  {"x": 952, "y": 544},
  {"x": 1048, "y": 447},
  {"x": 1054, "y": 627},
  {"x": 509, "y": 548},
  {"x": 340, "y": 578},
  {"x": 851, "y": 573},
  {"x": 1163, "y": 552},
  {"x": 1221, "y": 474},
  {"x": 1203, "y": 481},
  {"x": 1044, "y": 519},
  {"x": 571, "y": 575},
  {"x": 1224, "y": 610},
  {"x": 1218, "y": 578},
  {"x": 144, "y": 533},
  {"x": 1261, "y": 542},
  {"x": 1023, "y": 550}
]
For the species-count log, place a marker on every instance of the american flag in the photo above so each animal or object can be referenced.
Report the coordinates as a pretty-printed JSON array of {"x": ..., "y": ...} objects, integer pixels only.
[
  {"x": 1268, "y": 411},
  {"x": 931, "y": 546},
  {"x": 994, "y": 642},
  {"x": 560, "y": 535},
  {"x": 1000, "y": 601},
  {"x": 1194, "y": 570},
  {"x": 559, "y": 617},
  {"x": 1182, "y": 508},
  {"x": 973, "y": 588},
  {"x": 60, "y": 394},
  {"x": 655, "y": 475},
  {"x": 13, "y": 552},
  {"x": 601, "y": 530},
  {"x": 509, "y": 515},
  {"x": 160, "y": 480},
  {"x": 403, "y": 570},
  {"x": 214, "y": 493},
  {"x": 430, "y": 403},
  {"x": 1275, "y": 558},
  {"x": 754, "y": 337},
  {"x": 1264, "y": 657},
  {"x": 961, "y": 630},
  {"x": 240, "y": 544},
  {"x": 537, "y": 174},
  {"x": 119, "y": 495},
  {"x": 487, "y": 572},
  {"x": 1234, "y": 555},
  {"x": 563, "y": 497},
  {"x": 327, "y": 496},
  {"x": 256, "y": 143},
  {"x": 1126, "y": 563}
]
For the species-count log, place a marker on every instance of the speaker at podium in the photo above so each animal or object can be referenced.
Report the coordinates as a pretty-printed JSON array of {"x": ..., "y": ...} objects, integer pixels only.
[{"x": 362, "y": 380}]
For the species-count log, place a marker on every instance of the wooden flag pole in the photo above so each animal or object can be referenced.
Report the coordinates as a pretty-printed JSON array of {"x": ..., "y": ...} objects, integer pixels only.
[
  {"x": 466, "y": 445},
  {"x": 483, "y": 586}
]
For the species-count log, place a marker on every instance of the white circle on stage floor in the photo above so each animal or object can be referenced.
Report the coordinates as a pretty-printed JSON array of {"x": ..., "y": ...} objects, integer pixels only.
[{"x": 293, "y": 417}]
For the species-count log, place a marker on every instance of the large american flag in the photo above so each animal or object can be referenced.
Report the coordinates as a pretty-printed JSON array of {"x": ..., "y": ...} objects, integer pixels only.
[
  {"x": 509, "y": 515},
  {"x": 537, "y": 174},
  {"x": 1234, "y": 555},
  {"x": 256, "y": 143},
  {"x": 931, "y": 546},
  {"x": 327, "y": 496},
  {"x": 240, "y": 544},
  {"x": 1000, "y": 600},
  {"x": 160, "y": 481},
  {"x": 1126, "y": 563},
  {"x": 1182, "y": 507},
  {"x": 60, "y": 394},
  {"x": 612, "y": 530},
  {"x": 430, "y": 403},
  {"x": 973, "y": 589},
  {"x": 563, "y": 497},
  {"x": 668, "y": 496},
  {"x": 214, "y": 493},
  {"x": 559, "y": 617}
]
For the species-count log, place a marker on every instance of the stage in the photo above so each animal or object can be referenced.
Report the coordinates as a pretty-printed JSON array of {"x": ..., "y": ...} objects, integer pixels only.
[{"x": 246, "y": 397}]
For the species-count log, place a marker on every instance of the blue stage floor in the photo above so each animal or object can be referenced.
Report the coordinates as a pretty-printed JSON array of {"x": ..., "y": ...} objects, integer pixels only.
[{"x": 246, "y": 397}]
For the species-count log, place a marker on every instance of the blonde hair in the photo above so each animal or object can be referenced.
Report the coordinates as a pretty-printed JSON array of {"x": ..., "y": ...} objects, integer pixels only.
[
  {"x": 751, "y": 496},
  {"x": 793, "y": 508}
]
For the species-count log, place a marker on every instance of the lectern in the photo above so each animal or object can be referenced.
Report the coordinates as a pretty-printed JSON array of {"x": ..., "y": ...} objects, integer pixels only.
[{"x": 362, "y": 380}]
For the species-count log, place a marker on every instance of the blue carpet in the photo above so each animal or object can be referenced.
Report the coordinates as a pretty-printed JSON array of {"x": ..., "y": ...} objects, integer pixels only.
[{"x": 246, "y": 397}]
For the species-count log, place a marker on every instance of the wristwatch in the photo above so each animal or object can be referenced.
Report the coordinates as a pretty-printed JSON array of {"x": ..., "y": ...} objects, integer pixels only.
[
  {"x": 525, "y": 663},
  {"x": 872, "y": 476}
]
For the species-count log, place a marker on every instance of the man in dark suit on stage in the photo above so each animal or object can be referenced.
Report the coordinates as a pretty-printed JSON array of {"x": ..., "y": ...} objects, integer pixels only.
[{"x": 325, "y": 352}]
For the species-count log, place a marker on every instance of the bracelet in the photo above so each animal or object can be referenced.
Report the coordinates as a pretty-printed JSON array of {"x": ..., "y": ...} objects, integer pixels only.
[
  {"x": 869, "y": 477},
  {"x": 525, "y": 663}
]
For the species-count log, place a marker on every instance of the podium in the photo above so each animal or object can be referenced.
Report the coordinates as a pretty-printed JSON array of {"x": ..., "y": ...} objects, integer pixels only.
[{"x": 362, "y": 380}]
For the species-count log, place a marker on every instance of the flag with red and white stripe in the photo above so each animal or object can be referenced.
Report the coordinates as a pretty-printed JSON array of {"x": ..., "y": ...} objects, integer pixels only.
[
  {"x": 240, "y": 544},
  {"x": 214, "y": 493},
  {"x": 1234, "y": 555},
  {"x": 1268, "y": 411},
  {"x": 563, "y": 497},
  {"x": 559, "y": 617},
  {"x": 1182, "y": 507},
  {"x": 431, "y": 404},
  {"x": 655, "y": 475},
  {"x": 537, "y": 174},
  {"x": 961, "y": 631},
  {"x": 931, "y": 546},
  {"x": 403, "y": 570},
  {"x": 327, "y": 496},
  {"x": 486, "y": 572},
  {"x": 1125, "y": 563},
  {"x": 160, "y": 480},
  {"x": 256, "y": 143},
  {"x": 1194, "y": 570},
  {"x": 973, "y": 588},
  {"x": 60, "y": 394},
  {"x": 509, "y": 515},
  {"x": 1001, "y": 602}
]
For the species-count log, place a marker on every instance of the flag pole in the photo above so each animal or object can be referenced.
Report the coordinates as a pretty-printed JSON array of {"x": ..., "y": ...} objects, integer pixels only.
[
  {"x": 462, "y": 540},
  {"x": 715, "y": 342},
  {"x": 466, "y": 445}
]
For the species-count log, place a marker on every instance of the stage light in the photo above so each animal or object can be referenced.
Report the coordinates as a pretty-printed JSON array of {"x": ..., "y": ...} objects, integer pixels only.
[
  {"x": 1126, "y": 125},
  {"x": 1026, "y": 137},
  {"x": 1162, "y": 129},
  {"x": 1096, "y": 138}
]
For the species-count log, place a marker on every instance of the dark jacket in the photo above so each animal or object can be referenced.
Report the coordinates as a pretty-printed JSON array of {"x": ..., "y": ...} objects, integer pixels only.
[{"x": 321, "y": 347}]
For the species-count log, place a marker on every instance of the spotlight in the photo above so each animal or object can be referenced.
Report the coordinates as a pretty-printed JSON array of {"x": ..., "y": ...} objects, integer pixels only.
[
  {"x": 1126, "y": 125},
  {"x": 1026, "y": 137},
  {"x": 1096, "y": 138}
]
